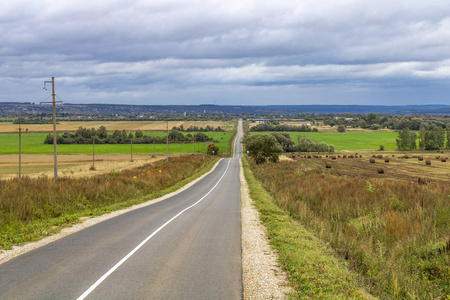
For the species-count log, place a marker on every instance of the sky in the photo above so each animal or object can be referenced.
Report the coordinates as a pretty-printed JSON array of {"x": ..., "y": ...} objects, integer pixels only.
[{"x": 226, "y": 52}]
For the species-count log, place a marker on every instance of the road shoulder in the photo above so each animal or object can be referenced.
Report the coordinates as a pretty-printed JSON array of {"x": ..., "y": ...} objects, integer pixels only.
[{"x": 262, "y": 277}]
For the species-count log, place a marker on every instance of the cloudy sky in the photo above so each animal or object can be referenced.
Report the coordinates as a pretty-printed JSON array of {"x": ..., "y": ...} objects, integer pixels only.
[{"x": 226, "y": 52}]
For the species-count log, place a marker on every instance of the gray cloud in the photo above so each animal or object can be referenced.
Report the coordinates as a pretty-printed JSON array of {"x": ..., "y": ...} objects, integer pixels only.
[{"x": 255, "y": 52}]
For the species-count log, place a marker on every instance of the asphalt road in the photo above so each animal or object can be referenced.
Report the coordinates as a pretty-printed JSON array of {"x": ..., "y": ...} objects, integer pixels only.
[{"x": 185, "y": 247}]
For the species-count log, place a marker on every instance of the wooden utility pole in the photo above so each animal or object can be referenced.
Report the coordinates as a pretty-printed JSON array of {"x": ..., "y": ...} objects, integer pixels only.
[
  {"x": 20, "y": 152},
  {"x": 193, "y": 143},
  {"x": 93, "y": 153},
  {"x": 131, "y": 144},
  {"x": 55, "y": 152},
  {"x": 167, "y": 140}
]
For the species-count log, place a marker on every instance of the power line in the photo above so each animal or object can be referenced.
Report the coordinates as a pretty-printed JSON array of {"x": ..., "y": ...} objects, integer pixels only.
[{"x": 16, "y": 81}]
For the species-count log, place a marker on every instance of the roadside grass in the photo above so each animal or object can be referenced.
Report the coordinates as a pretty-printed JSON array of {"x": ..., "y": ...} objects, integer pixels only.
[
  {"x": 394, "y": 232},
  {"x": 34, "y": 208},
  {"x": 33, "y": 143},
  {"x": 314, "y": 270},
  {"x": 350, "y": 140}
]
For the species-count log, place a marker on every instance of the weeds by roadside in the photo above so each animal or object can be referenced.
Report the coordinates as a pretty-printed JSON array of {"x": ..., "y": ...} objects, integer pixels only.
[{"x": 393, "y": 233}]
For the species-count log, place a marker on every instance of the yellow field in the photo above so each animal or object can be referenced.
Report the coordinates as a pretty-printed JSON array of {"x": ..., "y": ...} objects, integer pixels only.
[
  {"x": 70, "y": 165},
  {"x": 113, "y": 125}
]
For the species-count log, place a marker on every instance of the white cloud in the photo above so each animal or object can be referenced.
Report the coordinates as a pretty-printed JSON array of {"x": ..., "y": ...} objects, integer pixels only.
[{"x": 123, "y": 50}]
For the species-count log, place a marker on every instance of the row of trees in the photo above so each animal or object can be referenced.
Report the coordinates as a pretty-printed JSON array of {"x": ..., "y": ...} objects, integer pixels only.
[
  {"x": 376, "y": 121},
  {"x": 85, "y": 136},
  {"x": 275, "y": 126},
  {"x": 207, "y": 128},
  {"x": 433, "y": 139}
]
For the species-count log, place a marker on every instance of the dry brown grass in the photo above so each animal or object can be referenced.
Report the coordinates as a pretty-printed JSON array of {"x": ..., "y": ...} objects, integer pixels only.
[
  {"x": 113, "y": 125},
  {"x": 75, "y": 166},
  {"x": 390, "y": 227}
]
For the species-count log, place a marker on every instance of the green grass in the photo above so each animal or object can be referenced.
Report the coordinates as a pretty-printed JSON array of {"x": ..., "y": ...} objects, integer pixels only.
[
  {"x": 314, "y": 270},
  {"x": 33, "y": 143},
  {"x": 350, "y": 140}
]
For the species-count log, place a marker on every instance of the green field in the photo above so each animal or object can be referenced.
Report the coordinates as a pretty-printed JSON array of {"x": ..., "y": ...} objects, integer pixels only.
[
  {"x": 350, "y": 140},
  {"x": 33, "y": 143}
]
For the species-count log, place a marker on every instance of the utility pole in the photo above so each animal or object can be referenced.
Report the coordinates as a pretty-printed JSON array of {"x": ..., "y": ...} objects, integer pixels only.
[
  {"x": 93, "y": 153},
  {"x": 193, "y": 143},
  {"x": 167, "y": 140},
  {"x": 131, "y": 145},
  {"x": 20, "y": 151},
  {"x": 55, "y": 153}
]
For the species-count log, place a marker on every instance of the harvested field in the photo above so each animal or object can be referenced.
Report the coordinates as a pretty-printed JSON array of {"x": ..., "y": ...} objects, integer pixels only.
[
  {"x": 408, "y": 169},
  {"x": 70, "y": 165},
  {"x": 113, "y": 125}
]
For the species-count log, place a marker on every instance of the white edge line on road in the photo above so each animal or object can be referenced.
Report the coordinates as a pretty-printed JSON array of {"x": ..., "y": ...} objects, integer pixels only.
[{"x": 101, "y": 279}]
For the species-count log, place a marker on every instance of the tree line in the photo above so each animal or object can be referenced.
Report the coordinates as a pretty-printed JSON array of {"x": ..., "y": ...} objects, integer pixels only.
[
  {"x": 86, "y": 136},
  {"x": 433, "y": 139},
  {"x": 276, "y": 126}
]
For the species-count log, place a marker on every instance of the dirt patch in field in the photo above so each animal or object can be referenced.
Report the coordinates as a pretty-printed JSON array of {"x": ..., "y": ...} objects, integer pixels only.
[{"x": 70, "y": 165}]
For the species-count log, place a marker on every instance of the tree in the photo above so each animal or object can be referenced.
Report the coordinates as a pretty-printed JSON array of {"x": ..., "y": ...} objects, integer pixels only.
[
  {"x": 447, "y": 146},
  {"x": 341, "y": 128},
  {"x": 285, "y": 140},
  {"x": 261, "y": 147},
  {"x": 406, "y": 140}
]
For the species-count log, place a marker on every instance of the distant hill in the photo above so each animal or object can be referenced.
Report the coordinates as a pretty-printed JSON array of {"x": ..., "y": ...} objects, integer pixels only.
[{"x": 17, "y": 109}]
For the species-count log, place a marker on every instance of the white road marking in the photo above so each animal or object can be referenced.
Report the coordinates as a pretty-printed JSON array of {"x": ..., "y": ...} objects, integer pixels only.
[{"x": 101, "y": 279}]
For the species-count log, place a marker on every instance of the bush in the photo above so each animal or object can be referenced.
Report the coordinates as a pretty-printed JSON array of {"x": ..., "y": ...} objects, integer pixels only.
[
  {"x": 212, "y": 149},
  {"x": 341, "y": 128}
]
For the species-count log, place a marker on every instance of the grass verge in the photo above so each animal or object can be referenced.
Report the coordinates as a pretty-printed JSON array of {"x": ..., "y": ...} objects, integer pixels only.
[
  {"x": 31, "y": 209},
  {"x": 314, "y": 270}
]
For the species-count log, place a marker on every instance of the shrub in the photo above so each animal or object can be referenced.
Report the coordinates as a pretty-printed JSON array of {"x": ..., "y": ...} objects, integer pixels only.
[{"x": 212, "y": 149}]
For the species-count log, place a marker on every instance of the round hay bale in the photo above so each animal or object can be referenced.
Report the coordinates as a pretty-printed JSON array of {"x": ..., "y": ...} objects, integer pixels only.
[
  {"x": 372, "y": 161},
  {"x": 380, "y": 170}
]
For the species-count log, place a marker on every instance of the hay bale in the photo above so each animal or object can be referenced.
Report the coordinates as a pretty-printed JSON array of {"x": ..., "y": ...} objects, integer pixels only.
[
  {"x": 309, "y": 156},
  {"x": 372, "y": 161},
  {"x": 333, "y": 157},
  {"x": 443, "y": 159},
  {"x": 428, "y": 162},
  {"x": 380, "y": 170},
  {"x": 360, "y": 156},
  {"x": 386, "y": 159},
  {"x": 424, "y": 180},
  {"x": 328, "y": 165},
  {"x": 420, "y": 158},
  {"x": 406, "y": 156},
  {"x": 393, "y": 155},
  {"x": 344, "y": 156},
  {"x": 350, "y": 156},
  {"x": 380, "y": 156}
]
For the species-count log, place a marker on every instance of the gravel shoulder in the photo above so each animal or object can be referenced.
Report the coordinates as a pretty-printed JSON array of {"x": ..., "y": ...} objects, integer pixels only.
[{"x": 261, "y": 275}]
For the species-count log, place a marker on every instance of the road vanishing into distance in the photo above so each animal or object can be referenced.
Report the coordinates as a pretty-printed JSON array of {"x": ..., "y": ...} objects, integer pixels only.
[{"x": 185, "y": 247}]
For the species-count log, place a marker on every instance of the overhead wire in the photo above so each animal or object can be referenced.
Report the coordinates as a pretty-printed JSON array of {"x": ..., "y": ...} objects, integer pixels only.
[{"x": 16, "y": 81}]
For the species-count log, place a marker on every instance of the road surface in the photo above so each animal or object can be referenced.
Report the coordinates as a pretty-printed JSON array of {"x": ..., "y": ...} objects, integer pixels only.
[{"x": 185, "y": 247}]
